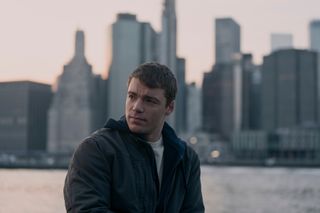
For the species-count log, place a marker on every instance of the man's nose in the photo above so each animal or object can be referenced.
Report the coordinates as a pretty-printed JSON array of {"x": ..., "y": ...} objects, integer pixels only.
[{"x": 138, "y": 106}]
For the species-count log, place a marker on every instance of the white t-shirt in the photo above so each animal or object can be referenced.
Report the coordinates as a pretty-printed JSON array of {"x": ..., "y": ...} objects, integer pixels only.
[{"x": 158, "y": 148}]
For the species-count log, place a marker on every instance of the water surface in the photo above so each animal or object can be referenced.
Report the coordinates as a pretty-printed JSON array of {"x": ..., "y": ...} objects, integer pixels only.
[{"x": 225, "y": 190}]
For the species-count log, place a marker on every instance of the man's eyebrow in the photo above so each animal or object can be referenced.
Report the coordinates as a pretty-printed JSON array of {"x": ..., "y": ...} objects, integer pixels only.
[
  {"x": 152, "y": 98},
  {"x": 132, "y": 93},
  {"x": 145, "y": 96}
]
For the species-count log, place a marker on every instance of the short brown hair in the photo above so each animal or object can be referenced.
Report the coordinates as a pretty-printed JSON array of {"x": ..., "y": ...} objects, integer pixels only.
[{"x": 155, "y": 75}]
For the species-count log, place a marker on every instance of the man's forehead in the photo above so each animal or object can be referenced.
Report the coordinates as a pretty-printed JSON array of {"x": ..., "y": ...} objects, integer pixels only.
[{"x": 137, "y": 86}]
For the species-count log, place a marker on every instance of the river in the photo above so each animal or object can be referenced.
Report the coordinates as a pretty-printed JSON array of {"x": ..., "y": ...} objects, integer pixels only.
[{"x": 225, "y": 190}]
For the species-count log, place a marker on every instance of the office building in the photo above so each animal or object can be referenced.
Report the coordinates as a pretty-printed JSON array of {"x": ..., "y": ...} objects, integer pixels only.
[
  {"x": 220, "y": 104},
  {"x": 23, "y": 116},
  {"x": 296, "y": 146},
  {"x": 281, "y": 41},
  {"x": 230, "y": 97},
  {"x": 221, "y": 88},
  {"x": 181, "y": 99},
  {"x": 168, "y": 46},
  {"x": 250, "y": 96},
  {"x": 168, "y": 36},
  {"x": 194, "y": 107},
  {"x": 314, "y": 33},
  {"x": 227, "y": 40},
  {"x": 289, "y": 89}
]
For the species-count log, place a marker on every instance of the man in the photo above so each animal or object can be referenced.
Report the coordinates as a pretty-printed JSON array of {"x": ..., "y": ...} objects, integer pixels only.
[{"x": 137, "y": 164}]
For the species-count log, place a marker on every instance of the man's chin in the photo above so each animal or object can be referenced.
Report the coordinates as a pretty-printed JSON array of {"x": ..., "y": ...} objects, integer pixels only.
[{"x": 136, "y": 129}]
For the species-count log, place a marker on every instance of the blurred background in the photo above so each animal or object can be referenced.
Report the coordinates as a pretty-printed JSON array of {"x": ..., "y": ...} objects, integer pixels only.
[{"x": 248, "y": 93}]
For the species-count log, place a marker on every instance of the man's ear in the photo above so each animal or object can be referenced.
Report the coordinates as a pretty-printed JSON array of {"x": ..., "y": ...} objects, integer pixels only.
[{"x": 170, "y": 108}]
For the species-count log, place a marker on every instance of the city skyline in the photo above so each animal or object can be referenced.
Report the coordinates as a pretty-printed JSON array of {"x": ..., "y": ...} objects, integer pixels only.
[{"x": 38, "y": 40}]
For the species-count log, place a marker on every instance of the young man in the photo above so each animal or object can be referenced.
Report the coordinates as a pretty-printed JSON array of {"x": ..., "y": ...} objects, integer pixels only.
[{"x": 137, "y": 164}]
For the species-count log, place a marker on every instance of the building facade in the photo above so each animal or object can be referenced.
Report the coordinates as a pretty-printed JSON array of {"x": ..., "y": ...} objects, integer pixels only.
[
  {"x": 221, "y": 87},
  {"x": 231, "y": 97},
  {"x": 227, "y": 40},
  {"x": 250, "y": 94},
  {"x": 289, "y": 89},
  {"x": 220, "y": 107},
  {"x": 314, "y": 33},
  {"x": 296, "y": 146},
  {"x": 79, "y": 103},
  {"x": 23, "y": 116},
  {"x": 168, "y": 36},
  {"x": 181, "y": 99},
  {"x": 168, "y": 49},
  {"x": 194, "y": 108}
]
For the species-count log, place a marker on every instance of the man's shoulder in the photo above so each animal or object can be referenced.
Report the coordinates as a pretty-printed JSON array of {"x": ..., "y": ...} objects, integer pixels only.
[
  {"x": 103, "y": 138},
  {"x": 106, "y": 132},
  {"x": 103, "y": 132},
  {"x": 190, "y": 154},
  {"x": 190, "y": 150}
]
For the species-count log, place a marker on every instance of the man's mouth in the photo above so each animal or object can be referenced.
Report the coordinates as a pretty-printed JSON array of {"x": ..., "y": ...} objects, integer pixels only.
[{"x": 137, "y": 118}]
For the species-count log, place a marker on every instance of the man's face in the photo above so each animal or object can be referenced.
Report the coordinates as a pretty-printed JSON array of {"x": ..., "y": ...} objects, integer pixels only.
[{"x": 146, "y": 109}]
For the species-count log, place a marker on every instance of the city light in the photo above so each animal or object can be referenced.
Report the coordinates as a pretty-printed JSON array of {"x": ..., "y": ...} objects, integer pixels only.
[
  {"x": 215, "y": 154},
  {"x": 193, "y": 140}
]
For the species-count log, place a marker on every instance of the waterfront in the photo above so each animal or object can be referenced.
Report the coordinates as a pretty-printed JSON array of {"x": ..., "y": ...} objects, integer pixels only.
[{"x": 225, "y": 189}]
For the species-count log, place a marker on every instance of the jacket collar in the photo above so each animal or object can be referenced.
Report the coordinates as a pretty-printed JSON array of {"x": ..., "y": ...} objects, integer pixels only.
[{"x": 169, "y": 135}]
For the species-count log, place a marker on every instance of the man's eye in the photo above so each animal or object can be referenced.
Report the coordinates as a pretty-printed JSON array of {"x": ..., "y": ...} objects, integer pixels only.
[{"x": 149, "y": 100}]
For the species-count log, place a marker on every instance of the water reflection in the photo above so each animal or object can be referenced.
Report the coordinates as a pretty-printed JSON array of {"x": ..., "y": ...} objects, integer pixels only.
[
  {"x": 225, "y": 189},
  {"x": 265, "y": 190}
]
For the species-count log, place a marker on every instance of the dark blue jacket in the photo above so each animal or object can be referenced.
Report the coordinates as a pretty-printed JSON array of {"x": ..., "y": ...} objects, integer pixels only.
[{"x": 114, "y": 170}]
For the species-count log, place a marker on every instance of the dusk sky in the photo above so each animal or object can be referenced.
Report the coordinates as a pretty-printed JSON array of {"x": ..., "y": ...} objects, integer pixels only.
[{"x": 37, "y": 36}]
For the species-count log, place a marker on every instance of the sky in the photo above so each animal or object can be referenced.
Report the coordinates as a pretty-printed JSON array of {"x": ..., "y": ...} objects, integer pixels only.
[{"x": 37, "y": 36}]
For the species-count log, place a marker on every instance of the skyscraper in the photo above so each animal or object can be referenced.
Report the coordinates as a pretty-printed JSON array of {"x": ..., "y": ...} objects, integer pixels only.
[
  {"x": 133, "y": 43},
  {"x": 250, "y": 95},
  {"x": 181, "y": 99},
  {"x": 76, "y": 108},
  {"x": 211, "y": 101},
  {"x": 168, "y": 48},
  {"x": 168, "y": 36},
  {"x": 194, "y": 107},
  {"x": 222, "y": 88},
  {"x": 222, "y": 98},
  {"x": 289, "y": 89},
  {"x": 314, "y": 33},
  {"x": 227, "y": 39},
  {"x": 281, "y": 41}
]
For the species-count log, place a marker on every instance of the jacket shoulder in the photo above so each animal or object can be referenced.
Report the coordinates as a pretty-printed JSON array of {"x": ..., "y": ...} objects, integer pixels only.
[
  {"x": 103, "y": 133},
  {"x": 190, "y": 153},
  {"x": 104, "y": 139}
]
